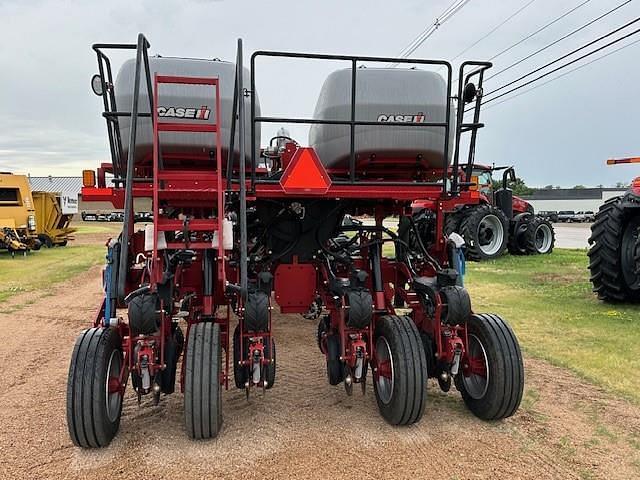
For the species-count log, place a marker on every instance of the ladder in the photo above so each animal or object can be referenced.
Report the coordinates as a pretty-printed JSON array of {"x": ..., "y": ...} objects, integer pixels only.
[{"x": 189, "y": 186}]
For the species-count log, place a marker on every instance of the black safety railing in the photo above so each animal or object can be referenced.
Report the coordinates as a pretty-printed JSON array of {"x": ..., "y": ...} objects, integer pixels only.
[
  {"x": 238, "y": 123},
  {"x": 111, "y": 112},
  {"x": 352, "y": 122},
  {"x": 474, "y": 126},
  {"x": 124, "y": 173}
]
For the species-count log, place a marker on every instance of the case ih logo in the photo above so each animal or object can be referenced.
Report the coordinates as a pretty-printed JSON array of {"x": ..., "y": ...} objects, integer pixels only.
[
  {"x": 201, "y": 113},
  {"x": 418, "y": 118}
]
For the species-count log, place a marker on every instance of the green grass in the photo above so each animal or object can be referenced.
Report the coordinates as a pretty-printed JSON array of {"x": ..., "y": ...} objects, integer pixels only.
[
  {"x": 548, "y": 301},
  {"x": 84, "y": 228},
  {"x": 44, "y": 268}
]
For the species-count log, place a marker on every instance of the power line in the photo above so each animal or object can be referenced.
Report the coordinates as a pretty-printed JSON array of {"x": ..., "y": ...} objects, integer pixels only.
[
  {"x": 420, "y": 39},
  {"x": 564, "y": 37},
  {"x": 563, "y": 74},
  {"x": 544, "y": 27},
  {"x": 490, "y": 32},
  {"x": 572, "y": 52},
  {"x": 427, "y": 31},
  {"x": 564, "y": 65}
]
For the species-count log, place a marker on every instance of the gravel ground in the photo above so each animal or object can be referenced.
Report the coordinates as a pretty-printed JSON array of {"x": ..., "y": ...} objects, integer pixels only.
[{"x": 303, "y": 428}]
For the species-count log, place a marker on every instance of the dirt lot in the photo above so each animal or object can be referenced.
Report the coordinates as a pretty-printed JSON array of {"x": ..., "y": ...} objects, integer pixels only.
[{"x": 303, "y": 427}]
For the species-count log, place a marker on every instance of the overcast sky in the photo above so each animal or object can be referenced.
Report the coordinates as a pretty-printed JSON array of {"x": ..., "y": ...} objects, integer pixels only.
[{"x": 559, "y": 134}]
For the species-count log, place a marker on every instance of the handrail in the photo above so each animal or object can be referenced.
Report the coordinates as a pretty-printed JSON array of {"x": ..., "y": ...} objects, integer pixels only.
[{"x": 352, "y": 122}]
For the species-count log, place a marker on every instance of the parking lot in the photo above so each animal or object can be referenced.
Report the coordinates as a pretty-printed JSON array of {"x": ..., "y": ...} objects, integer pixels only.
[{"x": 572, "y": 235}]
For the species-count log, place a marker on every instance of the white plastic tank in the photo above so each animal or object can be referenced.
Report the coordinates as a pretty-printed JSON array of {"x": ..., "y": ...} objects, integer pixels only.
[
  {"x": 182, "y": 104},
  {"x": 383, "y": 95}
]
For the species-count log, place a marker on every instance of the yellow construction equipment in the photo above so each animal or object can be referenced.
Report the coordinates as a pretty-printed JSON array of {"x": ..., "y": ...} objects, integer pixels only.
[
  {"x": 52, "y": 225},
  {"x": 29, "y": 219},
  {"x": 18, "y": 230}
]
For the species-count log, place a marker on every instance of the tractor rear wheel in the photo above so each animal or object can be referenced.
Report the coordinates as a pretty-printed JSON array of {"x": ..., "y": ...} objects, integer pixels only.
[
  {"x": 400, "y": 374},
  {"x": 492, "y": 381},
  {"x": 202, "y": 388},
  {"x": 539, "y": 237},
  {"x": 485, "y": 231},
  {"x": 452, "y": 222},
  {"x": 94, "y": 394},
  {"x": 517, "y": 233},
  {"x": 614, "y": 256}
]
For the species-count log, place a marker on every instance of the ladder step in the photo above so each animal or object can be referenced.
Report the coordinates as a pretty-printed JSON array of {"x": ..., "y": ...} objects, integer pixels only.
[
  {"x": 186, "y": 127},
  {"x": 195, "y": 176},
  {"x": 192, "y": 245},
  {"x": 187, "y": 193},
  {"x": 195, "y": 225}
]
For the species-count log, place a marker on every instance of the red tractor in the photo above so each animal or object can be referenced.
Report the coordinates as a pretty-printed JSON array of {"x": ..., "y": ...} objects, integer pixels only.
[
  {"x": 614, "y": 253},
  {"x": 498, "y": 220},
  {"x": 238, "y": 230}
]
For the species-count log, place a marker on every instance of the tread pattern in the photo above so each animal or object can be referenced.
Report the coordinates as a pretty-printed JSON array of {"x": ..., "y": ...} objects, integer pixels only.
[
  {"x": 518, "y": 227},
  {"x": 202, "y": 393},
  {"x": 87, "y": 420},
  {"x": 360, "y": 308},
  {"x": 604, "y": 254},
  {"x": 506, "y": 369},
  {"x": 458, "y": 304},
  {"x": 469, "y": 231},
  {"x": 143, "y": 314},
  {"x": 256, "y": 312},
  {"x": 407, "y": 403},
  {"x": 452, "y": 222}
]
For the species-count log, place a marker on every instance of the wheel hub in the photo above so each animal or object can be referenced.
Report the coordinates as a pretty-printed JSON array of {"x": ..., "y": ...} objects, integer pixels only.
[
  {"x": 490, "y": 234},
  {"x": 112, "y": 388},
  {"x": 384, "y": 377},
  {"x": 630, "y": 254},
  {"x": 476, "y": 376},
  {"x": 543, "y": 238}
]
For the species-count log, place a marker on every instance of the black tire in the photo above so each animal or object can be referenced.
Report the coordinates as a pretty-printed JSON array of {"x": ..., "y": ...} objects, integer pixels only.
[
  {"x": 256, "y": 312},
  {"x": 45, "y": 240},
  {"x": 401, "y": 399},
  {"x": 498, "y": 396},
  {"x": 360, "y": 309},
  {"x": 63, "y": 243},
  {"x": 539, "y": 237},
  {"x": 612, "y": 255},
  {"x": 240, "y": 374},
  {"x": 517, "y": 231},
  {"x": 270, "y": 370},
  {"x": 172, "y": 350},
  {"x": 429, "y": 347},
  {"x": 452, "y": 222},
  {"x": 480, "y": 227},
  {"x": 93, "y": 417},
  {"x": 335, "y": 367},
  {"x": 457, "y": 306},
  {"x": 143, "y": 314},
  {"x": 324, "y": 325},
  {"x": 202, "y": 388}
]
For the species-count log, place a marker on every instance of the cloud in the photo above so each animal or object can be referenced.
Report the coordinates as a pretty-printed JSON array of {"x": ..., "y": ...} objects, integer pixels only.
[{"x": 562, "y": 133}]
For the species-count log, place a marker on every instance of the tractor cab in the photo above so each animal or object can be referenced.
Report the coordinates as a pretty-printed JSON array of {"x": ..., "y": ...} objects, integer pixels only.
[{"x": 503, "y": 198}]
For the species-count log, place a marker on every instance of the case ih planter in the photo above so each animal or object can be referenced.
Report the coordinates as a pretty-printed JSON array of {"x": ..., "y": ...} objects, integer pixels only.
[
  {"x": 225, "y": 243},
  {"x": 614, "y": 255}
]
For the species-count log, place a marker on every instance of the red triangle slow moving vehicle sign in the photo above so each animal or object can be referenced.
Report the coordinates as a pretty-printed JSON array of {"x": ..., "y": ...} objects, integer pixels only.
[{"x": 305, "y": 174}]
